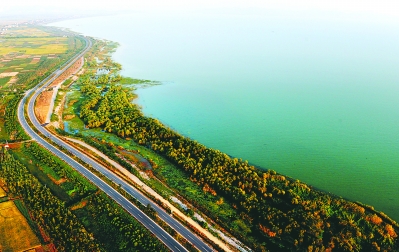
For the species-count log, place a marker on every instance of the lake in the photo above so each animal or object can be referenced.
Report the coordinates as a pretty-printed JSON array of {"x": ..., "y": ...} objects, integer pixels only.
[{"x": 314, "y": 98}]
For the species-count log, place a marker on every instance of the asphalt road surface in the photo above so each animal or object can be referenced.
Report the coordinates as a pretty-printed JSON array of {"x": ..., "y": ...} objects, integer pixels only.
[{"x": 168, "y": 240}]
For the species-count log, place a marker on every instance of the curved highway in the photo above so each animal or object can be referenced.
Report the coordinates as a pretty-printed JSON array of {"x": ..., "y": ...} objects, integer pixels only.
[{"x": 168, "y": 240}]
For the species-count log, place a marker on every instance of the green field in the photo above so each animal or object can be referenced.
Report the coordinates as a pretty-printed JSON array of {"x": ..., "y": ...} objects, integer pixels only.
[{"x": 4, "y": 81}]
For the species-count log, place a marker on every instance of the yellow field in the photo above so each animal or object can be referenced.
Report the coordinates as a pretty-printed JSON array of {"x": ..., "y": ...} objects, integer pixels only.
[
  {"x": 34, "y": 46},
  {"x": 37, "y": 41},
  {"x": 15, "y": 233},
  {"x": 48, "y": 49},
  {"x": 2, "y": 193}
]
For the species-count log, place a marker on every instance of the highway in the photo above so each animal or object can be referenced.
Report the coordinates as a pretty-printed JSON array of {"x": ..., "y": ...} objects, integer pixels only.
[{"x": 168, "y": 240}]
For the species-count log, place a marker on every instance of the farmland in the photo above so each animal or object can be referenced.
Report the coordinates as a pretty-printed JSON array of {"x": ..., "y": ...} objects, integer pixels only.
[
  {"x": 27, "y": 54},
  {"x": 2, "y": 193},
  {"x": 24, "y": 31},
  {"x": 16, "y": 235}
]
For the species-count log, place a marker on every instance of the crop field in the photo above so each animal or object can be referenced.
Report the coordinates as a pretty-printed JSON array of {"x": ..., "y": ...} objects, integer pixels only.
[
  {"x": 4, "y": 81},
  {"x": 2, "y": 193},
  {"x": 16, "y": 234},
  {"x": 31, "y": 32},
  {"x": 34, "y": 46},
  {"x": 26, "y": 50}
]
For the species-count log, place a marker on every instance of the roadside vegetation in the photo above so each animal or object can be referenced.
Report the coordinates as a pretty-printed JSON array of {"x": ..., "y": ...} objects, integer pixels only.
[{"x": 11, "y": 124}]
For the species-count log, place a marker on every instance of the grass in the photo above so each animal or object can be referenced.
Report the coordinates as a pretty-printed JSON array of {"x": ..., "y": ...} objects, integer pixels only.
[
  {"x": 3, "y": 133},
  {"x": 3, "y": 104},
  {"x": 67, "y": 82},
  {"x": 16, "y": 232},
  {"x": 178, "y": 180},
  {"x": 4, "y": 81},
  {"x": 128, "y": 80}
]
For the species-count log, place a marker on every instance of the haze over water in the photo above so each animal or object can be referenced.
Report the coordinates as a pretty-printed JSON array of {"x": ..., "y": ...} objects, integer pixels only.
[{"x": 314, "y": 98}]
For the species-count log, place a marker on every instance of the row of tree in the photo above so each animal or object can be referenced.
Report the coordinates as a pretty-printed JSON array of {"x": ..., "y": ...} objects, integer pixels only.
[
  {"x": 286, "y": 214},
  {"x": 11, "y": 124}
]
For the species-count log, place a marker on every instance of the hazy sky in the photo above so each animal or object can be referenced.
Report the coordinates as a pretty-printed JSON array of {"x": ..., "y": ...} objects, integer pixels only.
[{"x": 386, "y": 10}]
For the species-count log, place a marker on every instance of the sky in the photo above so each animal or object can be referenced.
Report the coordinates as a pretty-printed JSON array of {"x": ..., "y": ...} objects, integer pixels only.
[{"x": 380, "y": 10}]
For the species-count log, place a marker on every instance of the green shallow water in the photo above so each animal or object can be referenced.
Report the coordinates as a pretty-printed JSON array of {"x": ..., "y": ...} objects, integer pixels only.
[{"x": 314, "y": 99}]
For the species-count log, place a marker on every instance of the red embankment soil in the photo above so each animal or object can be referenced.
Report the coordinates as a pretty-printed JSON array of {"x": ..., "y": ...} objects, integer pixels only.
[
  {"x": 72, "y": 70},
  {"x": 42, "y": 105}
]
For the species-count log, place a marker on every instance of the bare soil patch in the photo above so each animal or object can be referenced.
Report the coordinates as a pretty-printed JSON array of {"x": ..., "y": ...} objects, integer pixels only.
[
  {"x": 34, "y": 60},
  {"x": 79, "y": 205},
  {"x": 24, "y": 56},
  {"x": 43, "y": 105},
  {"x": 8, "y": 74},
  {"x": 14, "y": 145},
  {"x": 69, "y": 117},
  {"x": 70, "y": 71},
  {"x": 13, "y": 80}
]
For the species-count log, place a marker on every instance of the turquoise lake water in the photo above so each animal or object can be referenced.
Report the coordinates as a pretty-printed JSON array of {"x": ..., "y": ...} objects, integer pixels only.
[{"x": 315, "y": 99}]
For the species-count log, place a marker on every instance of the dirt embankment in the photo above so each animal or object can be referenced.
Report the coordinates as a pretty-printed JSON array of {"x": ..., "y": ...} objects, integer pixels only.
[
  {"x": 44, "y": 100},
  {"x": 42, "y": 105}
]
